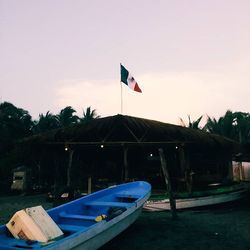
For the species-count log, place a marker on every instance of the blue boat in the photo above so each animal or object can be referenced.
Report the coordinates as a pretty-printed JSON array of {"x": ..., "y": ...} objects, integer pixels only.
[{"x": 91, "y": 221}]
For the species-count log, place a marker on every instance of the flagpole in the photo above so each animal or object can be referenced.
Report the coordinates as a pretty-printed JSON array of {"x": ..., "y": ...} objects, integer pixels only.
[
  {"x": 121, "y": 93},
  {"x": 121, "y": 99}
]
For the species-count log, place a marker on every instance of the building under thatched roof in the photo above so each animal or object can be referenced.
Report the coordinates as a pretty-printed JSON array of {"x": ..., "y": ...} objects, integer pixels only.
[
  {"x": 127, "y": 147},
  {"x": 120, "y": 129}
]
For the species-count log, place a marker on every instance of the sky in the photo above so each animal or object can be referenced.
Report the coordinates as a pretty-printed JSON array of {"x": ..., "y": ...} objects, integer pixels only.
[{"x": 188, "y": 57}]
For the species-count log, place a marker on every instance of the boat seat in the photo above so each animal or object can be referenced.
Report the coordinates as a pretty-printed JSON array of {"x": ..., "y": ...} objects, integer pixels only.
[
  {"x": 121, "y": 197},
  {"x": 71, "y": 228},
  {"x": 124, "y": 195},
  {"x": 77, "y": 216},
  {"x": 109, "y": 204}
]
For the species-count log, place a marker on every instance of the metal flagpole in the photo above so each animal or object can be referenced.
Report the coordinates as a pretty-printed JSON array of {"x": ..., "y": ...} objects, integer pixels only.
[
  {"x": 121, "y": 100},
  {"x": 121, "y": 93}
]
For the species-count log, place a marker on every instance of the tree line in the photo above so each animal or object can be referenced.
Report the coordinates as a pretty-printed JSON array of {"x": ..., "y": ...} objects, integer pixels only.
[
  {"x": 16, "y": 124},
  {"x": 233, "y": 125}
]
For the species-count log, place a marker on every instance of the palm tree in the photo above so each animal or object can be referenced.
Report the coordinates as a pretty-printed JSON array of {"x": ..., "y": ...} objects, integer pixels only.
[
  {"x": 66, "y": 117},
  {"x": 89, "y": 115},
  {"x": 224, "y": 126},
  {"x": 192, "y": 124},
  {"x": 46, "y": 122},
  {"x": 214, "y": 126},
  {"x": 15, "y": 122},
  {"x": 242, "y": 126},
  {"x": 234, "y": 125}
]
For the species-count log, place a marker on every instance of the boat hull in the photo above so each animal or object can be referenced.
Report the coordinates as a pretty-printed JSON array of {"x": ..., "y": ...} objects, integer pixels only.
[
  {"x": 98, "y": 236},
  {"x": 209, "y": 200},
  {"x": 122, "y": 205},
  {"x": 112, "y": 231}
]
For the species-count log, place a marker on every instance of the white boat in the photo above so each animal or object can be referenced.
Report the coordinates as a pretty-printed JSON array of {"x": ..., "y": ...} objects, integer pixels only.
[
  {"x": 91, "y": 221},
  {"x": 232, "y": 194}
]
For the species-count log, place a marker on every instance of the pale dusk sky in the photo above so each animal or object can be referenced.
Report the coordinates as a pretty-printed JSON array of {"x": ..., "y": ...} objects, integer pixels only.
[{"x": 189, "y": 57}]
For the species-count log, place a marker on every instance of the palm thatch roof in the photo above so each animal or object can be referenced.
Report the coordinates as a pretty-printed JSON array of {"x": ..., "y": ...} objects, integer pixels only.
[{"x": 122, "y": 129}]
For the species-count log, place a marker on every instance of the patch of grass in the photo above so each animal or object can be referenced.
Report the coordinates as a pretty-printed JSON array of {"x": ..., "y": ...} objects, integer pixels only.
[{"x": 210, "y": 191}]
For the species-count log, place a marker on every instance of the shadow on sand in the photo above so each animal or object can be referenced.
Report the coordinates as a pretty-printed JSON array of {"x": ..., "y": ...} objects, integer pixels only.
[{"x": 219, "y": 227}]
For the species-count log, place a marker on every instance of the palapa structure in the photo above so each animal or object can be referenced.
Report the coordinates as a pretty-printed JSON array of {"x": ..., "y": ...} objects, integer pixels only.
[{"x": 121, "y": 148}]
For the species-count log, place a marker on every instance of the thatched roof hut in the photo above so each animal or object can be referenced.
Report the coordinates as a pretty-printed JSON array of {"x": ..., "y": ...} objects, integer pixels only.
[
  {"x": 131, "y": 147},
  {"x": 120, "y": 129}
]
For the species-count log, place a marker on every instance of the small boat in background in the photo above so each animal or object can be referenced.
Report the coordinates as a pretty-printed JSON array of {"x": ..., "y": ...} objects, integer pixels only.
[
  {"x": 215, "y": 196},
  {"x": 91, "y": 221}
]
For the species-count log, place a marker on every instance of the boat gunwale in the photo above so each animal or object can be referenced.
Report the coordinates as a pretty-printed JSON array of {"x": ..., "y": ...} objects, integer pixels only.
[{"x": 91, "y": 230}]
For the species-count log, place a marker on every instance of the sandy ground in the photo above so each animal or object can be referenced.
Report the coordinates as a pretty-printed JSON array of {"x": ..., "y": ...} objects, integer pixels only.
[{"x": 226, "y": 227}]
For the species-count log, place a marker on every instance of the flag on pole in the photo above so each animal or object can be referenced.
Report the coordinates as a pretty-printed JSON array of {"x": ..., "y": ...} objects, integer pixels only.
[{"x": 129, "y": 80}]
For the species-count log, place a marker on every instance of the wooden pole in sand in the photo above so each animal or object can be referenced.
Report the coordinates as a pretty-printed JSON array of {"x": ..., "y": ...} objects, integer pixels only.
[
  {"x": 89, "y": 185},
  {"x": 168, "y": 183},
  {"x": 125, "y": 162},
  {"x": 71, "y": 152}
]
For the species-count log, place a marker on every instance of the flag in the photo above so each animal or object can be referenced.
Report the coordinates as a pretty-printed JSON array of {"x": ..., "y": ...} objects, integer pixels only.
[{"x": 129, "y": 80}]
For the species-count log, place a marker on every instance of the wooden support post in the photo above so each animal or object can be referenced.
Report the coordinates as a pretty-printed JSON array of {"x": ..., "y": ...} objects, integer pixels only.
[
  {"x": 89, "y": 184},
  {"x": 242, "y": 172},
  {"x": 71, "y": 152},
  {"x": 183, "y": 167},
  {"x": 182, "y": 159},
  {"x": 230, "y": 176},
  {"x": 125, "y": 162},
  {"x": 188, "y": 174},
  {"x": 168, "y": 183}
]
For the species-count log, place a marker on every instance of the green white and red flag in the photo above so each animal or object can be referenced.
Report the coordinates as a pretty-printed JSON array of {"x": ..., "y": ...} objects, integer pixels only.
[{"x": 129, "y": 80}]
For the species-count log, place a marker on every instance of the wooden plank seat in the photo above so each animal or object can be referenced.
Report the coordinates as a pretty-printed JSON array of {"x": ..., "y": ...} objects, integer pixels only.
[
  {"x": 121, "y": 197},
  {"x": 124, "y": 195},
  {"x": 77, "y": 216},
  {"x": 109, "y": 204},
  {"x": 71, "y": 228}
]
